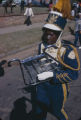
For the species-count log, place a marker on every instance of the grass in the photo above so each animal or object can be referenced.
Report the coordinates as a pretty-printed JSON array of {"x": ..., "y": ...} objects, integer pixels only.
[
  {"x": 16, "y": 41},
  {"x": 38, "y": 10},
  {"x": 16, "y": 10},
  {"x": 12, "y": 42}
]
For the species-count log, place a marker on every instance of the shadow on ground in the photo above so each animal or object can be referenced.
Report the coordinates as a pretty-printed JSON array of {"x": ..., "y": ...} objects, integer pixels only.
[
  {"x": 71, "y": 31},
  {"x": 19, "y": 110}
]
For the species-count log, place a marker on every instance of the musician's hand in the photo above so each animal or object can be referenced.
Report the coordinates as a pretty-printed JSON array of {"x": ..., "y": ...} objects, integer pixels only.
[{"x": 45, "y": 75}]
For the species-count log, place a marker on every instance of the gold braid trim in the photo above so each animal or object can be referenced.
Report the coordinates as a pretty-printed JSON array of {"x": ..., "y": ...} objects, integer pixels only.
[
  {"x": 61, "y": 61},
  {"x": 64, "y": 54},
  {"x": 66, "y": 75},
  {"x": 58, "y": 77},
  {"x": 69, "y": 77},
  {"x": 63, "y": 76}
]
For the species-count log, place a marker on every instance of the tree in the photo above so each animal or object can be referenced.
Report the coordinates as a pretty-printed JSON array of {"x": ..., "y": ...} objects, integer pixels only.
[{"x": 0, "y": 1}]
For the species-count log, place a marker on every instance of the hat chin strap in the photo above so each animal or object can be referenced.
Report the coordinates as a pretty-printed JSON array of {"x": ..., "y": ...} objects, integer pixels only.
[{"x": 58, "y": 42}]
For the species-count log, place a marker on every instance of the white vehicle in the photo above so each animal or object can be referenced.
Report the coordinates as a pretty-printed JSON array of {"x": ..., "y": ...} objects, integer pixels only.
[
  {"x": 75, "y": 4},
  {"x": 3, "y": 2}
]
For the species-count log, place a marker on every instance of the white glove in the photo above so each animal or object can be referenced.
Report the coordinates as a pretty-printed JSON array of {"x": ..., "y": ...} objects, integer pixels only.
[{"x": 44, "y": 75}]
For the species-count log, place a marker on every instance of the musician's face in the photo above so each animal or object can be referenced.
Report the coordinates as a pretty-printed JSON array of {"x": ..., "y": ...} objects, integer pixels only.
[{"x": 50, "y": 36}]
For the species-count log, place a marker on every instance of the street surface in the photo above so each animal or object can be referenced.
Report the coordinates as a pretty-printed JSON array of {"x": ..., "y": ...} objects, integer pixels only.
[{"x": 16, "y": 101}]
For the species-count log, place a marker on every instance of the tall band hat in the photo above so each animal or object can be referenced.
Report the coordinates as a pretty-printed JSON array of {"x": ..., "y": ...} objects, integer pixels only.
[
  {"x": 55, "y": 21},
  {"x": 57, "y": 18}
]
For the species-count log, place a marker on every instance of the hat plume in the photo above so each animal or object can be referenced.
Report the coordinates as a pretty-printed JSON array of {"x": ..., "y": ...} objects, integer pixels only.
[{"x": 63, "y": 6}]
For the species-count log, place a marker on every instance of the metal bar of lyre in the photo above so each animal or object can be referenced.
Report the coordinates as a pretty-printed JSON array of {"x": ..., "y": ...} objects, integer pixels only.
[
  {"x": 20, "y": 64},
  {"x": 32, "y": 66},
  {"x": 31, "y": 69},
  {"x": 29, "y": 66}
]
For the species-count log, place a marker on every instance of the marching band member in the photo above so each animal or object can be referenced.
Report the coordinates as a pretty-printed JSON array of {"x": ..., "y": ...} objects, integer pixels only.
[{"x": 52, "y": 95}]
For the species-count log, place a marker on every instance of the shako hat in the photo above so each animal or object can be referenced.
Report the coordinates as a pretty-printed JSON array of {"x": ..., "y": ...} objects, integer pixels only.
[
  {"x": 57, "y": 18},
  {"x": 55, "y": 21}
]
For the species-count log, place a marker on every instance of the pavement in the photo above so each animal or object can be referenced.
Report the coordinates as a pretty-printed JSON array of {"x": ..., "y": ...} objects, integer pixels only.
[
  {"x": 16, "y": 28},
  {"x": 16, "y": 101}
]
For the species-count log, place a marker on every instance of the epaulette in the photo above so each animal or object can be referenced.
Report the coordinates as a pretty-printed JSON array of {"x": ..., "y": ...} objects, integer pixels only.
[
  {"x": 72, "y": 51},
  {"x": 67, "y": 45}
]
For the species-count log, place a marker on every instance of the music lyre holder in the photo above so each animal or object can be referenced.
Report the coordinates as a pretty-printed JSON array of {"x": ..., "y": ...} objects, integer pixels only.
[{"x": 32, "y": 66}]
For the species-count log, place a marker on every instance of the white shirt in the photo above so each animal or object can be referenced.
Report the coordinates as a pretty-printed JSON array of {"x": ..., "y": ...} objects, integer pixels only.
[
  {"x": 73, "y": 13},
  {"x": 78, "y": 25},
  {"x": 29, "y": 12}
]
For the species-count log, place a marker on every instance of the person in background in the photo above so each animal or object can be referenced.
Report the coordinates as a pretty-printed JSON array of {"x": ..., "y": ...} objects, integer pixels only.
[
  {"x": 50, "y": 6},
  {"x": 28, "y": 13},
  {"x": 78, "y": 30},
  {"x": 79, "y": 8},
  {"x": 76, "y": 10},
  {"x": 2, "y": 67},
  {"x": 22, "y": 5},
  {"x": 73, "y": 12},
  {"x": 5, "y": 7}
]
